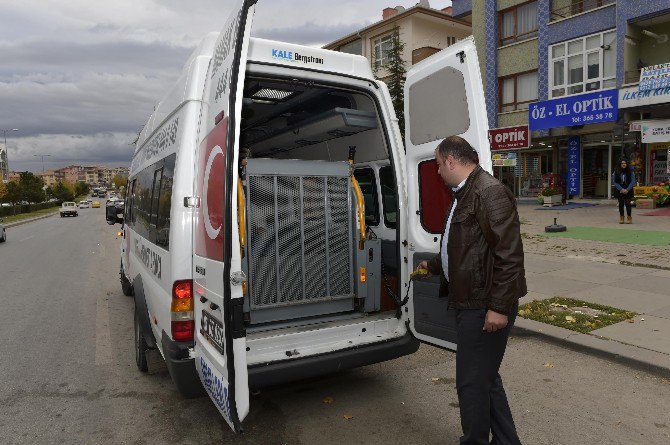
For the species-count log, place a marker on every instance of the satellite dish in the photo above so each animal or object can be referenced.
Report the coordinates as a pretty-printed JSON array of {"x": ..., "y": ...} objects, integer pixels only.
[{"x": 424, "y": 3}]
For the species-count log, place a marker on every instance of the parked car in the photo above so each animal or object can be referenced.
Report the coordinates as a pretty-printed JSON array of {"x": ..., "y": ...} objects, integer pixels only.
[
  {"x": 3, "y": 232},
  {"x": 95, "y": 205},
  {"x": 83, "y": 204},
  {"x": 68, "y": 208}
]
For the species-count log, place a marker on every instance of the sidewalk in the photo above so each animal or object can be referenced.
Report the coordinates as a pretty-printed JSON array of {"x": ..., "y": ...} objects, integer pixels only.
[
  {"x": 604, "y": 214},
  {"x": 594, "y": 271}
]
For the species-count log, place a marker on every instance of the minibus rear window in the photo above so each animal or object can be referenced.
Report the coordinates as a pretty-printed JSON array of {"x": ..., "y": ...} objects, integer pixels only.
[{"x": 434, "y": 197}]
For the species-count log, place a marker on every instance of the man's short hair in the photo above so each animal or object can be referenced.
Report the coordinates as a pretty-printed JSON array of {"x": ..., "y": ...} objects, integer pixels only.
[{"x": 460, "y": 149}]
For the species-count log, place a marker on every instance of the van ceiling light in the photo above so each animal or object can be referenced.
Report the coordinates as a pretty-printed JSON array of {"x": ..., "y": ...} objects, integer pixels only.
[{"x": 271, "y": 94}]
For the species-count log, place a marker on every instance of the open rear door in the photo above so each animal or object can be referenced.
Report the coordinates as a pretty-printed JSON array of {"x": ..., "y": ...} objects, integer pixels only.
[
  {"x": 443, "y": 97},
  {"x": 220, "y": 342}
]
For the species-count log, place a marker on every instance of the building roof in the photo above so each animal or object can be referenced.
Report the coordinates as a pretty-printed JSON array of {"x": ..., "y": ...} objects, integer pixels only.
[{"x": 418, "y": 9}]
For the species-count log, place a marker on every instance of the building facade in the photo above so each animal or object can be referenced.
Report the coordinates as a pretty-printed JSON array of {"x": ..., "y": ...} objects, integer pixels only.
[
  {"x": 571, "y": 70},
  {"x": 422, "y": 29}
]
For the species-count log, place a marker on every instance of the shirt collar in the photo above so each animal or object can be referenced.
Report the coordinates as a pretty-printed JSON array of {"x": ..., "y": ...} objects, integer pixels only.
[{"x": 459, "y": 186}]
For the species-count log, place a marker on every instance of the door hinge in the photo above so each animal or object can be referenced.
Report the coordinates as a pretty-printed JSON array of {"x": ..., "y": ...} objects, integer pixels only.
[
  {"x": 191, "y": 201},
  {"x": 461, "y": 56},
  {"x": 238, "y": 318}
]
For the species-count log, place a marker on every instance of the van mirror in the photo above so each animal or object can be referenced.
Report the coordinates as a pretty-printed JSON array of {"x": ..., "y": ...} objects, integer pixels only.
[{"x": 111, "y": 215}]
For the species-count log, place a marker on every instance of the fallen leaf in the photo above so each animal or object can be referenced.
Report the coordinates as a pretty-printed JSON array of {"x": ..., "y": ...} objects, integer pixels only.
[
  {"x": 548, "y": 365},
  {"x": 435, "y": 379},
  {"x": 348, "y": 417},
  {"x": 630, "y": 320},
  {"x": 328, "y": 400},
  {"x": 570, "y": 319},
  {"x": 641, "y": 319}
]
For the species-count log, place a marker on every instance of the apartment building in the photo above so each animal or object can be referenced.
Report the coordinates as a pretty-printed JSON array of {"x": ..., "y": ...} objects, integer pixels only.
[
  {"x": 585, "y": 82},
  {"x": 422, "y": 29}
]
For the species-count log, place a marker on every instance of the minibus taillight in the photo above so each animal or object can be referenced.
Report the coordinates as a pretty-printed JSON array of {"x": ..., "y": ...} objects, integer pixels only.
[{"x": 182, "y": 324}]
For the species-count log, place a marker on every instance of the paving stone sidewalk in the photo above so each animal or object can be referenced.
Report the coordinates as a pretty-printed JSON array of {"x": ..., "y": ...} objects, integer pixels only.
[{"x": 604, "y": 214}]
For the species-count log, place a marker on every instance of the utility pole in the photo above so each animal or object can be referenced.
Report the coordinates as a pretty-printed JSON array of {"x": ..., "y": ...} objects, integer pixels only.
[{"x": 41, "y": 156}]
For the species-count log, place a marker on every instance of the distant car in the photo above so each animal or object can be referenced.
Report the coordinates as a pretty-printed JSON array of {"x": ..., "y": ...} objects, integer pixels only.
[
  {"x": 3, "y": 232},
  {"x": 68, "y": 208},
  {"x": 5, "y": 204},
  {"x": 95, "y": 205},
  {"x": 83, "y": 204}
]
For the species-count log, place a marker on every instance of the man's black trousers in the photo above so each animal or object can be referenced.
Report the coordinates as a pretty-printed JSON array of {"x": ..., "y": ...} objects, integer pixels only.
[{"x": 481, "y": 396}]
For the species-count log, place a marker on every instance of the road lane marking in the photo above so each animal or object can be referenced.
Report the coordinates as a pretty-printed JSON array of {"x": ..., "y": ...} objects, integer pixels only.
[
  {"x": 103, "y": 338},
  {"x": 26, "y": 239}
]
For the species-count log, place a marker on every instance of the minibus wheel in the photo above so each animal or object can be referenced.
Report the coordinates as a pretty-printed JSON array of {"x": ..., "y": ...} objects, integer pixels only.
[{"x": 140, "y": 346}]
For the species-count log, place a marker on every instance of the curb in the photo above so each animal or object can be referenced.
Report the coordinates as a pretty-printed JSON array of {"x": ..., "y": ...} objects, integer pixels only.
[
  {"x": 26, "y": 221},
  {"x": 628, "y": 355}
]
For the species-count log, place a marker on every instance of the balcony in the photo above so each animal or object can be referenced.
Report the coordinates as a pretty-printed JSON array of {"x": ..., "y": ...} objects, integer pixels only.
[{"x": 562, "y": 9}]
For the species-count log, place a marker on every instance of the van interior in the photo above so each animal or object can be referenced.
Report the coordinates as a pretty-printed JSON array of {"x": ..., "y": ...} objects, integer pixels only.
[{"x": 312, "y": 156}]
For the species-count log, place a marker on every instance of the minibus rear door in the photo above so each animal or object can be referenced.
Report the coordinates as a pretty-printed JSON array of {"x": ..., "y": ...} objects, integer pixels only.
[
  {"x": 220, "y": 342},
  {"x": 443, "y": 97}
]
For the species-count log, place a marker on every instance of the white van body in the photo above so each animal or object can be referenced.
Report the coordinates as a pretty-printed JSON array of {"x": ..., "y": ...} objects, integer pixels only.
[{"x": 241, "y": 232}]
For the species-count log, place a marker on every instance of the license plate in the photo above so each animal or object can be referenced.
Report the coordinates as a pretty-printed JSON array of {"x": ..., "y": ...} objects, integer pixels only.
[{"x": 212, "y": 330}]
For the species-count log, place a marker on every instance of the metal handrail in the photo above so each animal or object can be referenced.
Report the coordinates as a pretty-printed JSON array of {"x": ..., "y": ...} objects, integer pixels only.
[{"x": 578, "y": 7}]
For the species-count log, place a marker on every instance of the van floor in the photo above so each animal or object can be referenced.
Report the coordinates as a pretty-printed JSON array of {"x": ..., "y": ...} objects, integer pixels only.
[{"x": 314, "y": 324}]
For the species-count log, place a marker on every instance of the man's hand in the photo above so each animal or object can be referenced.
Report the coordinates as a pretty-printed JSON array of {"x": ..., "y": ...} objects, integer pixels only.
[
  {"x": 494, "y": 321},
  {"x": 624, "y": 191}
]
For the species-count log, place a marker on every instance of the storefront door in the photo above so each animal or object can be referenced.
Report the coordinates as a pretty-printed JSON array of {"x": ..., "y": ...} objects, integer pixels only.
[{"x": 596, "y": 171}]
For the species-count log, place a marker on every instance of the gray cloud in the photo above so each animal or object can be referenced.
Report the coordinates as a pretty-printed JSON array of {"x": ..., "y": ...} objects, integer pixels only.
[{"x": 80, "y": 79}]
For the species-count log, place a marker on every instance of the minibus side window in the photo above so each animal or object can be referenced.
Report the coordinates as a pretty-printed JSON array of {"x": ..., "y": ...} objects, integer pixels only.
[
  {"x": 389, "y": 203},
  {"x": 155, "y": 197},
  {"x": 366, "y": 180},
  {"x": 165, "y": 203},
  {"x": 130, "y": 203},
  {"x": 434, "y": 197}
]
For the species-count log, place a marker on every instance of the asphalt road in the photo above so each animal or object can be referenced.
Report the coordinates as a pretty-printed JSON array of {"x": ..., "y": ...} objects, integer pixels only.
[{"x": 69, "y": 376}]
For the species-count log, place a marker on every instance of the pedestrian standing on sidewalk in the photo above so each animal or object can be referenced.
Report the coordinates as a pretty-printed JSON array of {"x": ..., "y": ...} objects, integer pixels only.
[
  {"x": 482, "y": 275},
  {"x": 623, "y": 180}
]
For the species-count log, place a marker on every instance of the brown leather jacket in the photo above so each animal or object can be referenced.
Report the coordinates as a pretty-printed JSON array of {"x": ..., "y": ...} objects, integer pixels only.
[{"x": 485, "y": 249}]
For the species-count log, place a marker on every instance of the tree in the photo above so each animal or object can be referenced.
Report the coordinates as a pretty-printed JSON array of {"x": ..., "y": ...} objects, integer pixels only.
[
  {"x": 119, "y": 181},
  {"x": 32, "y": 187},
  {"x": 81, "y": 188},
  {"x": 63, "y": 191},
  {"x": 397, "y": 73},
  {"x": 3, "y": 192},
  {"x": 13, "y": 194}
]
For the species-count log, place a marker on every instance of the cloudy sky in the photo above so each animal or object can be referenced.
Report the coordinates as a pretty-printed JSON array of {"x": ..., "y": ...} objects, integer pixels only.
[{"x": 79, "y": 78}]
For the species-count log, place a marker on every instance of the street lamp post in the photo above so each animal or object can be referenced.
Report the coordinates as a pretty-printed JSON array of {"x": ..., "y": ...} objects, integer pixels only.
[
  {"x": 5, "y": 173},
  {"x": 42, "y": 156}
]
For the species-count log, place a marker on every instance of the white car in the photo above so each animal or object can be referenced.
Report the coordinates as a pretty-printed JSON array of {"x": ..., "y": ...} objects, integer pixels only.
[
  {"x": 68, "y": 208},
  {"x": 84, "y": 204}
]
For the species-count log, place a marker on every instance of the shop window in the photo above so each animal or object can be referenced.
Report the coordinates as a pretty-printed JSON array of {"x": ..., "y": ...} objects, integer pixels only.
[
  {"x": 517, "y": 91},
  {"x": 368, "y": 184},
  {"x": 583, "y": 65},
  {"x": 434, "y": 198},
  {"x": 518, "y": 23}
]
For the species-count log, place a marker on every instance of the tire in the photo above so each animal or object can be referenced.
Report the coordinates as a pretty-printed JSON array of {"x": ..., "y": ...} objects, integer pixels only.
[
  {"x": 4, "y": 236},
  {"x": 126, "y": 285},
  {"x": 141, "y": 347}
]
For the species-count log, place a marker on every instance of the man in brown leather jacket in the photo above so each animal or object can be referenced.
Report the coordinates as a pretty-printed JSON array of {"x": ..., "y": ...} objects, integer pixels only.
[{"x": 482, "y": 274}]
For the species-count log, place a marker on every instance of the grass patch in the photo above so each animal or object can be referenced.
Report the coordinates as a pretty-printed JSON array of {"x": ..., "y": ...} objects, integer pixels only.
[
  {"x": 626, "y": 236},
  {"x": 576, "y": 315},
  {"x": 22, "y": 216}
]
